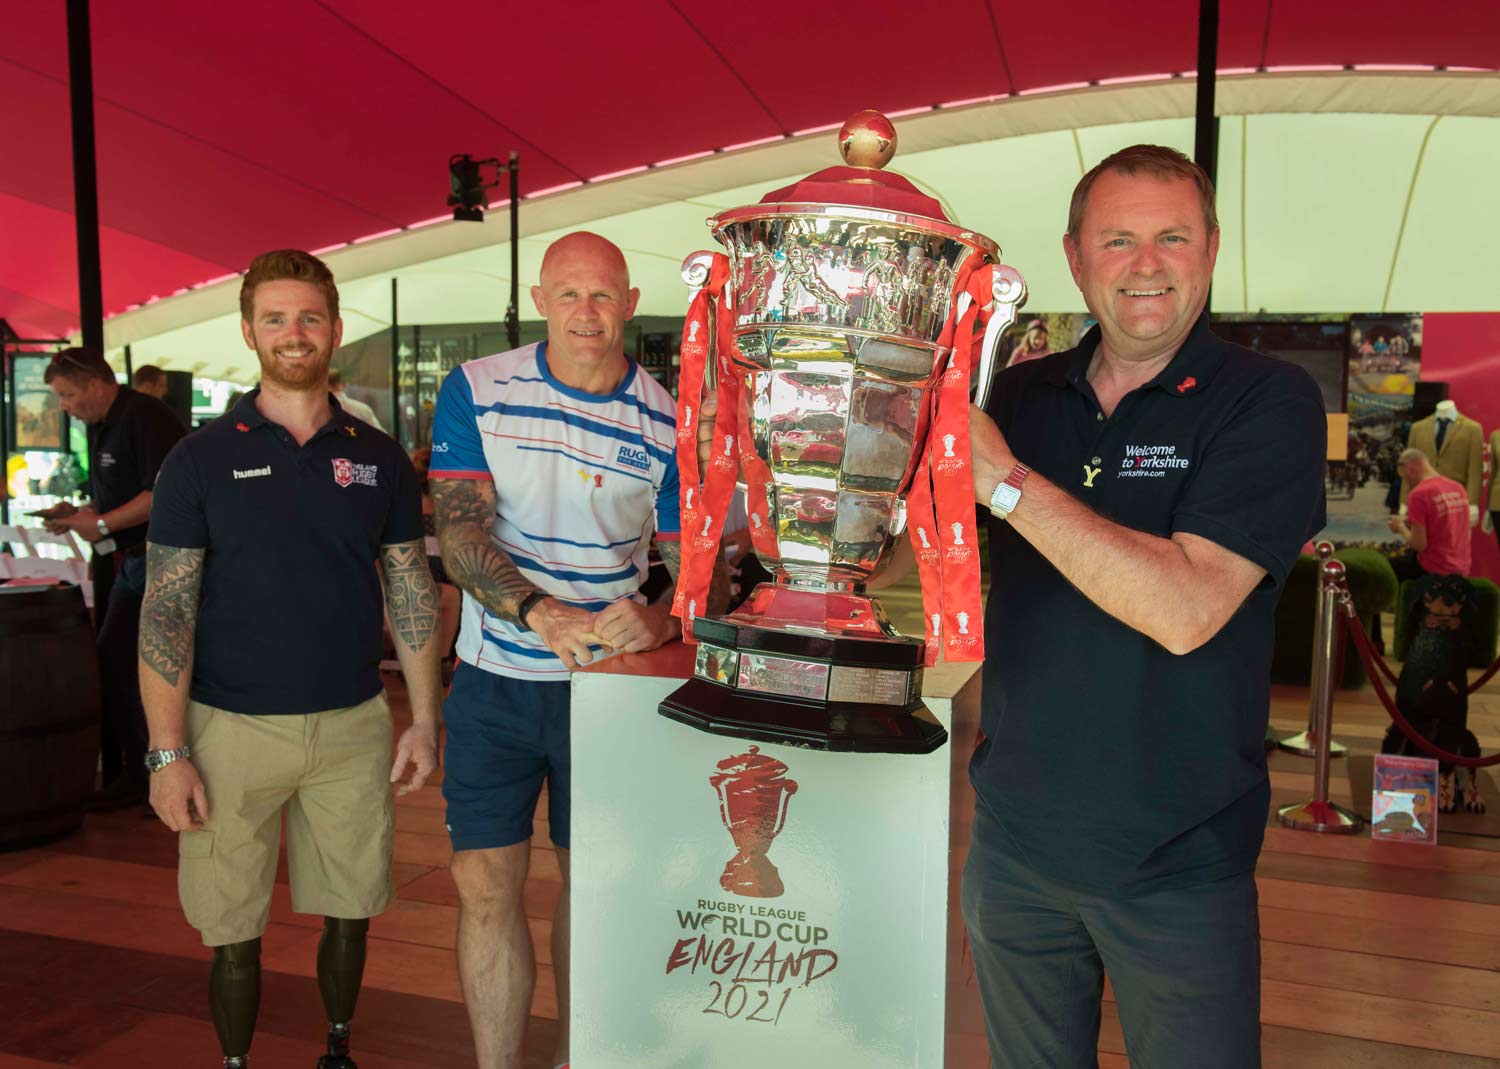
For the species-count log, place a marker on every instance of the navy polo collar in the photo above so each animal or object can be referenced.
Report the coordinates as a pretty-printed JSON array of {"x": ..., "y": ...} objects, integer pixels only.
[
  {"x": 1188, "y": 372},
  {"x": 247, "y": 417}
]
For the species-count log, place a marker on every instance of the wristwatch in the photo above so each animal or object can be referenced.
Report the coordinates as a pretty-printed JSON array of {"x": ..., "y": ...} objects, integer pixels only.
[
  {"x": 1008, "y": 494},
  {"x": 103, "y": 527},
  {"x": 156, "y": 760},
  {"x": 527, "y": 604}
]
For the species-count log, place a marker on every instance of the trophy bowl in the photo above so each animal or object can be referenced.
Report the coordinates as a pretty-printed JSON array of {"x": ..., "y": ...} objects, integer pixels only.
[{"x": 838, "y": 310}]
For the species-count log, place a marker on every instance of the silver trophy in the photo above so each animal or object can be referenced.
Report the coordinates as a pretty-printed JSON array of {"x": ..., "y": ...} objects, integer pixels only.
[{"x": 838, "y": 304}]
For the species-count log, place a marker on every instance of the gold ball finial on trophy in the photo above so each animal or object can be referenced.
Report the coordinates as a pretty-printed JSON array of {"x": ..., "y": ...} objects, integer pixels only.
[{"x": 867, "y": 139}]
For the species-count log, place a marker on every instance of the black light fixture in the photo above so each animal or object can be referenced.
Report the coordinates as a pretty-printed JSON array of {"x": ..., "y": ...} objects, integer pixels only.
[{"x": 467, "y": 198}]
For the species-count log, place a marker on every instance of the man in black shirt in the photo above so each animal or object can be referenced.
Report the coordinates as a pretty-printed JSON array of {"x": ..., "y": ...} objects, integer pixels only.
[
  {"x": 274, "y": 534},
  {"x": 1151, "y": 489},
  {"x": 129, "y": 435}
]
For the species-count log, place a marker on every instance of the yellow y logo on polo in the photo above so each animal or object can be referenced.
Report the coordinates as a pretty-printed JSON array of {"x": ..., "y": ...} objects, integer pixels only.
[{"x": 1089, "y": 475}]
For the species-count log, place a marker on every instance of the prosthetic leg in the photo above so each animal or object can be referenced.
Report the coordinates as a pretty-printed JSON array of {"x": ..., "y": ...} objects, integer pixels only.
[
  {"x": 234, "y": 996},
  {"x": 341, "y": 966}
]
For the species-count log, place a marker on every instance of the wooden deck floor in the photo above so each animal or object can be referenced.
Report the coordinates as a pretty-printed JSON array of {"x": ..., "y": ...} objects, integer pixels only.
[{"x": 1376, "y": 957}]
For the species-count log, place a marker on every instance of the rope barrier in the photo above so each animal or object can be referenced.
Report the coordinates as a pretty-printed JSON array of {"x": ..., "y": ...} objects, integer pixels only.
[{"x": 1371, "y": 660}]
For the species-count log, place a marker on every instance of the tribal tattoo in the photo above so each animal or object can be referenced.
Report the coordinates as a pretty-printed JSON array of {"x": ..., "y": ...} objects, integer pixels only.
[
  {"x": 411, "y": 597},
  {"x": 464, "y": 510},
  {"x": 169, "y": 612}
]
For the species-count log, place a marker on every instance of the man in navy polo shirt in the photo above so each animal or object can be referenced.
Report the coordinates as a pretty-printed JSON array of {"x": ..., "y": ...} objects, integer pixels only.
[
  {"x": 1151, "y": 489},
  {"x": 274, "y": 533}
]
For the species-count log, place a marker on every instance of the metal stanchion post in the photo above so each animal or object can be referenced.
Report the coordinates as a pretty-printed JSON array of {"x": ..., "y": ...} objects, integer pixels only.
[
  {"x": 1318, "y": 813},
  {"x": 1305, "y": 743}
]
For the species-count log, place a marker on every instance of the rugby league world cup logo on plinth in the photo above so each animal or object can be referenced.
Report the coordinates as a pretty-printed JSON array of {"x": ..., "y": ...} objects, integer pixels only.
[
  {"x": 753, "y": 796},
  {"x": 847, "y": 318}
]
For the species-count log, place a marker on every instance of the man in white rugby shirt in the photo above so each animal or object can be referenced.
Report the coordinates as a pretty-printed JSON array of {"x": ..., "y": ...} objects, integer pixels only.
[{"x": 552, "y": 465}]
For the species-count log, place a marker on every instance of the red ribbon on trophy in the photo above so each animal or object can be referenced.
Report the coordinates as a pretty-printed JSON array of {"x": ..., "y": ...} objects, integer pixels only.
[
  {"x": 705, "y": 499},
  {"x": 940, "y": 505}
]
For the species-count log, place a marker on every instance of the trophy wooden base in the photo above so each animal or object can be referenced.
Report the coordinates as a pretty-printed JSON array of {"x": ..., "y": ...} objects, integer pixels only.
[{"x": 852, "y": 727}]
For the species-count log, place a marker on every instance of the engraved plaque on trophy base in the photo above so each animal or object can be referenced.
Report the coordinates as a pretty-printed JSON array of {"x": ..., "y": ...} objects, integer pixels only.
[{"x": 822, "y": 692}]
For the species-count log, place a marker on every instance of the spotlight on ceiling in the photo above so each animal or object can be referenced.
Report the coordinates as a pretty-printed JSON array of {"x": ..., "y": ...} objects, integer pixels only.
[
  {"x": 467, "y": 184},
  {"x": 466, "y": 180}
]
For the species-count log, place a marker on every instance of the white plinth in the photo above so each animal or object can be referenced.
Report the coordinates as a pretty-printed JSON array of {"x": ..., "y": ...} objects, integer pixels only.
[{"x": 848, "y": 967}]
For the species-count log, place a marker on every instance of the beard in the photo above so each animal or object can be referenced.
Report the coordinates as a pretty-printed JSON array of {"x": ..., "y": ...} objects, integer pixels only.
[{"x": 295, "y": 372}]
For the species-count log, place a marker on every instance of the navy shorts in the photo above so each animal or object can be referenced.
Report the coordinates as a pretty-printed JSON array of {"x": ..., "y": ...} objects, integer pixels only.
[{"x": 505, "y": 737}]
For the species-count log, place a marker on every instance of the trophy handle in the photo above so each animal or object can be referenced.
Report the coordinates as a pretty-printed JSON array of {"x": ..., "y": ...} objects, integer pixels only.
[
  {"x": 1009, "y": 289},
  {"x": 695, "y": 271}
]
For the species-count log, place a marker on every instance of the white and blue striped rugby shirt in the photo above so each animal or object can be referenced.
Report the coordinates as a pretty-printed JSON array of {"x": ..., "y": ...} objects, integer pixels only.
[{"x": 582, "y": 481}]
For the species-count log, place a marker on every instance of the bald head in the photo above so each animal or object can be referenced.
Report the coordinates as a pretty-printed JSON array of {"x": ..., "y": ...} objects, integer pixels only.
[
  {"x": 586, "y": 298},
  {"x": 582, "y": 249}
]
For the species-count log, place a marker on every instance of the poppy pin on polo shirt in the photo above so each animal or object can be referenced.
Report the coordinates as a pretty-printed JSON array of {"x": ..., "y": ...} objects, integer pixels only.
[
  {"x": 242, "y": 427},
  {"x": 1186, "y": 384}
]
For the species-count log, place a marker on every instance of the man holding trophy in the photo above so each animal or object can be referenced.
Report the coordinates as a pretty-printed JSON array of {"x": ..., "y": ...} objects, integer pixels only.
[{"x": 1150, "y": 490}]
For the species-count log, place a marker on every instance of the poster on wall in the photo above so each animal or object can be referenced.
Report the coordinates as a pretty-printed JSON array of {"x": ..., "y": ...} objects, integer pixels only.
[
  {"x": 1384, "y": 362},
  {"x": 38, "y": 422}
]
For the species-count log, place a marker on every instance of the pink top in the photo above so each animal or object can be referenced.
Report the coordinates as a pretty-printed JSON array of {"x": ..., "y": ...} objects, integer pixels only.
[{"x": 1441, "y": 506}]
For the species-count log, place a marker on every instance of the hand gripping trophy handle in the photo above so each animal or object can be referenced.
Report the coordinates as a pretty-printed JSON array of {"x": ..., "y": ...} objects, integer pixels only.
[{"x": 1009, "y": 294}]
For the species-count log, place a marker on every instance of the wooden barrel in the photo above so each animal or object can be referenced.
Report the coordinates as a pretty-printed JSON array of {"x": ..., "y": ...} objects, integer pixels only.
[{"x": 49, "y": 713}]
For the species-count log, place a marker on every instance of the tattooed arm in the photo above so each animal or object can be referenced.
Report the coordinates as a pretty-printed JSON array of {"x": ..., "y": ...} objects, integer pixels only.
[
  {"x": 411, "y": 601},
  {"x": 169, "y": 618},
  {"x": 463, "y": 510}
]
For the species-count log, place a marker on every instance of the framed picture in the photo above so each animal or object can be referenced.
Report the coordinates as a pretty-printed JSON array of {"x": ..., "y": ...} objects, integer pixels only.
[{"x": 38, "y": 422}]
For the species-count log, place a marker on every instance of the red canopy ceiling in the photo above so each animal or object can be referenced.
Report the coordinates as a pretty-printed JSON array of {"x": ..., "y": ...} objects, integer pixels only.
[{"x": 224, "y": 131}]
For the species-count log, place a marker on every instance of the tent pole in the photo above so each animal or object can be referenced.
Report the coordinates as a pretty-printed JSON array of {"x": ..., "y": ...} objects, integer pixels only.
[
  {"x": 85, "y": 175},
  {"x": 1206, "y": 139},
  {"x": 395, "y": 366},
  {"x": 513, "y": 313}
]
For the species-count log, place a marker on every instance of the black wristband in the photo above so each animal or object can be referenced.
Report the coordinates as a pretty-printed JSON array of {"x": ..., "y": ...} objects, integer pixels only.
[{"x": 527, "y": 604}]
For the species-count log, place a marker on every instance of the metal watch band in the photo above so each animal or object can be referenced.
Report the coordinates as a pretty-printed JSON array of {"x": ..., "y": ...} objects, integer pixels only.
[
  {"x": 527, "y": 604},
  {"x": 156, "y": 760}
]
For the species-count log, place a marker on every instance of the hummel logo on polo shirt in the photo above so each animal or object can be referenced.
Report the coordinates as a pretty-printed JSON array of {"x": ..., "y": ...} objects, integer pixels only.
[{"x": 251, "y": 473}]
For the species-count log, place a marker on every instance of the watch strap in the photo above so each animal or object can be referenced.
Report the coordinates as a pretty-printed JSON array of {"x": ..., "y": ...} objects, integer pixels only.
[
  {"x": 528, "y": 603},
  {"x": 1008, "y": 493},
  {"x": 103, "y": 527}
]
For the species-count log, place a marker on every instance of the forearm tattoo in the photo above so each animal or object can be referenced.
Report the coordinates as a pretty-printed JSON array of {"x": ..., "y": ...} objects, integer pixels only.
[
  {"x": 463, "y": 509},
  {"x": 671, "y": 556},
  {"x": 169, "y": 611},
  {"x": 411, "y": 598}
]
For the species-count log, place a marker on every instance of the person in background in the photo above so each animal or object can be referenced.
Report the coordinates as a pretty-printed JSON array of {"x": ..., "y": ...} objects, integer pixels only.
[
  {"x": 150, "y": 380},
  {"x": 129, "y": 436},
  {"x": 357, "y": 409},
  {"x": 1436, "y": 527},
  {"x": 1034, "y": 344}
]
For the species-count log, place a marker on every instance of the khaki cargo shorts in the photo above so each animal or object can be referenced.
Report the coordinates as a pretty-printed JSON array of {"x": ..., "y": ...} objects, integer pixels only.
[{"x": 330, "y": 773}]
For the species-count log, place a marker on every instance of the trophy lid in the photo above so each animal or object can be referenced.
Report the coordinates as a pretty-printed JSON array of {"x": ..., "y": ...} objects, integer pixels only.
[
  {"x": 753, "y": 765},
  {"x": 867, "y": 141}
]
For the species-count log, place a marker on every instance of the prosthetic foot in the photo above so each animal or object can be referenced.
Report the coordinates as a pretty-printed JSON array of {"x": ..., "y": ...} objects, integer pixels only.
[{"x": 338, "y": 1049}]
